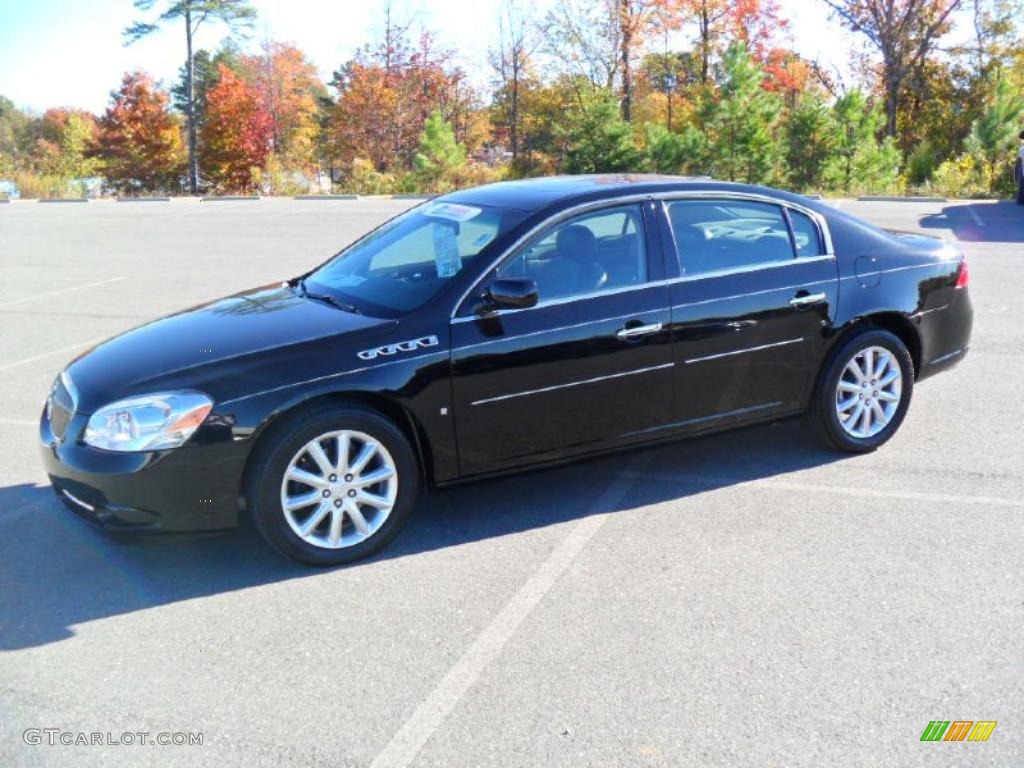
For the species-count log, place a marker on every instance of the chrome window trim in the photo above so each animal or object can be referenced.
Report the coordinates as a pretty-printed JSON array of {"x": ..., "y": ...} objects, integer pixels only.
[
  {"x": 662, "y": 197},
  {"x": 568, "y": 384},
  {"x": 753, "y": 268},
  {"x": 817, "y": 218},
  {"x": 559, "y": 301},
  {"x": 551, "y": 221},
  {"x": 743, "y": 351}
]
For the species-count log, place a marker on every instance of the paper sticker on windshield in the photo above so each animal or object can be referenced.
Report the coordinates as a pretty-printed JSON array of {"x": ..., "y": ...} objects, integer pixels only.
[
  {"x": 446, "y": 250},
  {"x": 452, "y": 211}
]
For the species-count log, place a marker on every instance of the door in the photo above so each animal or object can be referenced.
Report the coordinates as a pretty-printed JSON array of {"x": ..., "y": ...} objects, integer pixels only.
[
  {"x": 757, "y": 291},
  {"x": 591, "y": 361}
]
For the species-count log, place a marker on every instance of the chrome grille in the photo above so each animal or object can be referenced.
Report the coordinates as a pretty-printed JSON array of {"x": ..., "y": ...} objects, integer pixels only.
[{"x": 60, "y": 407}]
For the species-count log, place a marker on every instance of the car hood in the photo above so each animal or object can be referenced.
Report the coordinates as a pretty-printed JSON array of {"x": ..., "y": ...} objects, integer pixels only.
[{"x": 211, "y": 346}]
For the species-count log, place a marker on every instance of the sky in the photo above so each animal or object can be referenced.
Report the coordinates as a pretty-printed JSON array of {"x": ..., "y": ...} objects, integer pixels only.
[{"x": 70, "y": 52}]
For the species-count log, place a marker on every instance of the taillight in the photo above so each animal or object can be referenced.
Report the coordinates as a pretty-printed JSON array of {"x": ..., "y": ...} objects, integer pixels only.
[{"x": 962, "y": 277}]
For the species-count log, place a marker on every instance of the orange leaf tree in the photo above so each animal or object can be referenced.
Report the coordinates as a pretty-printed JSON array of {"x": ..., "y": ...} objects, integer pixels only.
[
  {"x": 139, "y": 139},
  {"x": 237, "y": 133}
]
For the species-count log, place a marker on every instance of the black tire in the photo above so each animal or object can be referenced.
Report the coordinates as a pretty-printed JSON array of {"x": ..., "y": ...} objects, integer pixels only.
[
  {"x": 822, "y": 418},
  {"x": 274, "y": 454}
]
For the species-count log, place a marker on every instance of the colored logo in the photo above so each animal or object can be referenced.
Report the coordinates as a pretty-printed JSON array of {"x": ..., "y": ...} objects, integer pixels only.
[{"x": 958, "y": 730}]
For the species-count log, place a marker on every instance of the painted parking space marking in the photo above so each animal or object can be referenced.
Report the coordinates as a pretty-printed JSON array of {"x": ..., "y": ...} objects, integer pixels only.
[
  {"x": 61, "y": 292},
  {"x": 721, "y": 483},
  {"x": 52, "y": 352},
  {"x": 403, "y": 747}
]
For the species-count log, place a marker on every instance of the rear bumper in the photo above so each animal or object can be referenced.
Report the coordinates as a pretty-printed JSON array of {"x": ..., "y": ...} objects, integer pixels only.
[
  {"x": 192, "y": 488},
  {"x": 946, "y": 335}
]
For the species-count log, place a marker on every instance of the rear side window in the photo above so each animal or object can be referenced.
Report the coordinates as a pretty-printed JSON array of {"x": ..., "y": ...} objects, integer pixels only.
[
  {"x": 716, "y": 235},
  {"x": 806, "y": 234}
]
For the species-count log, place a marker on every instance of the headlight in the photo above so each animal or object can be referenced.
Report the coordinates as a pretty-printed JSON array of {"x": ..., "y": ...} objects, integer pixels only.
[{"x": 149, "y": 422}]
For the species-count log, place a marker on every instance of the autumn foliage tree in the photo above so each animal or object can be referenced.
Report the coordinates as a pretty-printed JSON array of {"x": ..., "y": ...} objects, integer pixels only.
[
  {"x": 385, "y": 95},
  {"x": 139, "y": 140},
  {"x": 287, "y": 89},
  {"x": 237, "y": 133}
]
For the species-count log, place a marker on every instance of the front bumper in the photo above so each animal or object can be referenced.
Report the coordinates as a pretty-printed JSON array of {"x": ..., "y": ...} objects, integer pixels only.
[{"x": 192, "y": 488}]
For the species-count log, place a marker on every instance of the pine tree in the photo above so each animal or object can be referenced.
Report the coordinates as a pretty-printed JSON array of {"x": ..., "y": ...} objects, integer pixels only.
[
  {"x": 861, "y": 162},
  {"x": 740, "y": 120},
  {"x": 598, "y": 139},
  {"x": 811, "y": 139},
  {"x": 439, "y": 155}
]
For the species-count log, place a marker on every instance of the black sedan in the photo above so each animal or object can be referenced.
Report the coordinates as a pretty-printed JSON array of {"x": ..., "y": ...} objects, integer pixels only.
[{"x": 508, "y": 326}]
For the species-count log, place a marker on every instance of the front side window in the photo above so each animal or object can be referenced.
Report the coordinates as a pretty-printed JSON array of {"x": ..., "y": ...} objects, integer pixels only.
[
  {"x": 596, "y": 251},
  {"x": 402, "y": 265},
  {"x": 716, "y": 235}
]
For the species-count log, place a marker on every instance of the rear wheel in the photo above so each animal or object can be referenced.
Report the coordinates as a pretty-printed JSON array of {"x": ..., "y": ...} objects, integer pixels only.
[
  {"x": 332, "y": 485},
  {"x": 863, "y": 395}
]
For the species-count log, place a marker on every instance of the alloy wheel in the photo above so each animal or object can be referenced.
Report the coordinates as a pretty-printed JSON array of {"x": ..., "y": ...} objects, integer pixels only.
[
  {"x": 869, "y": 392},
  {"x": 339, "y": 489}
]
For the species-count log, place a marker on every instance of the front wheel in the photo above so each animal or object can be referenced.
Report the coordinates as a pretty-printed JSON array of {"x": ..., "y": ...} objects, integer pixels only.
[
  {"x": 332, "y": 485},
  {"x": 863, "y": 394}
]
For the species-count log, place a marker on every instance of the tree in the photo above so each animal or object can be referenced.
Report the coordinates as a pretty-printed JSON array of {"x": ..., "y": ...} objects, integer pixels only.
[
  {"x": 860, "y": 161},
  {"x": 903, "y": 32},
  {"x": 204, "y": 77},
  {"x": 439, "y": 155},
  {"x": 236, "y": 134},
  {"x": 668, "y": 152},
  {"x": 511, "y": 63},
  {"x": 235, "y": 14},
  {"x": 14, "y": 137},
  {"x": 139, "y": 141},
  {"x": 993, "y": 136},
  {"x": 288, "y": 88},
  {"x": 598, "y": 139},
  {"x": 385, "y": 94},
  {"x": 740, "y": 120},
  {"x": 811, "y": 139},
  {"x": 64, "y": 137}
]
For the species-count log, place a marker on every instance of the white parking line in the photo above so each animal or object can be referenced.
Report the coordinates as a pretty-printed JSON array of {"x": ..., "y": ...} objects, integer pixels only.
[
  {"x": 62, "y": 291},
  {"x": 937, "y": 498},
  {"x": 431, "y": 713},
  {"x": 976, "y": 216},
  {"x": 718, "y": 483},
  {"x": 44, "y": 355}
]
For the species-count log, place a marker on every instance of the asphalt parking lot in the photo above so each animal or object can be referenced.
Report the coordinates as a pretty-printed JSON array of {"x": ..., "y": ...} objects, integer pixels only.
[{"x": 745, "y": 599}]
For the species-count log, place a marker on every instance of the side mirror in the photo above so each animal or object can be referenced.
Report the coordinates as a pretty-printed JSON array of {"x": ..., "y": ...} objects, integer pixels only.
[{"x": 512, "y": 293}]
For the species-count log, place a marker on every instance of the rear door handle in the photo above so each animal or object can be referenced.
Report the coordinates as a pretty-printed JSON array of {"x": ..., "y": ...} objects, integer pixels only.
[
  {"x": 808, "y": 299},
  {"x": 639, "y": 331}
]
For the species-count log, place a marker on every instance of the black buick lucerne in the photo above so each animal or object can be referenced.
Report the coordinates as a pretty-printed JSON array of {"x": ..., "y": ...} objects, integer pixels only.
[{"x": 498, "y": 328}]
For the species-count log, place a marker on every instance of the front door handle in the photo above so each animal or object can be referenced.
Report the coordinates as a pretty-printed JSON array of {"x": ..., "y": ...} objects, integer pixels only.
[
  {"x": 807, "y": 299},
  {"x": 639, "y": 331}
]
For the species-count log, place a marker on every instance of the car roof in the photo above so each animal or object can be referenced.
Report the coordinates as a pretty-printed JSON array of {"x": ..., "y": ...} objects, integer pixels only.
[{"x": 536, "y": 194}]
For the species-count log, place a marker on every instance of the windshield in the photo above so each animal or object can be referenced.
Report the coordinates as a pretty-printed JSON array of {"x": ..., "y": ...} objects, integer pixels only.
[{"x": 406, "y": 262}]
